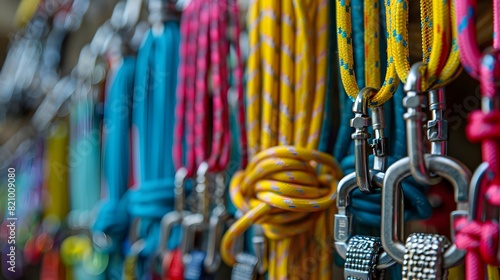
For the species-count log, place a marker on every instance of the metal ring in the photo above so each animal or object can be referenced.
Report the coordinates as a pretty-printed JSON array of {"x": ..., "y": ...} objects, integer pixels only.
[
  {"x": 446, "y": 167},
  {"x": 343, "y": 219}
]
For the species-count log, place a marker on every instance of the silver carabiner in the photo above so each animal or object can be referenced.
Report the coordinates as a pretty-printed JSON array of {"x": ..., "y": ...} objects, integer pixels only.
[
  {"x": 446, "y": 167},
  {"x": 218, "y": 219},
  {"x": 198, "y": 221},
  {"x": 174, "y": 218},
  {"x": 437, "y": 128},
  {"x": 361, "y": 122},
  {"x": 343, "y": 219},
  {"x": 414, "y": 103}
]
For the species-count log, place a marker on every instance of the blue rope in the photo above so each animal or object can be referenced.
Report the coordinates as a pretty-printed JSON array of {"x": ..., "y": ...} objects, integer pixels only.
[
  {"x": 113, "y": 219},
  {"x": 153, "y": 127}
]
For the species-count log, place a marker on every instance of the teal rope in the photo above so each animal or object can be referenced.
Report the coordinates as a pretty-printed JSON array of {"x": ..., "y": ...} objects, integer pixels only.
[
  {"x": 153, "y": 126},
  {"x": 113, "y": 219}
]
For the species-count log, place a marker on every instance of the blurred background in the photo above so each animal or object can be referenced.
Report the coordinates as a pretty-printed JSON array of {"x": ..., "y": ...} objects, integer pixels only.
[
  {"x": 462, "y": 95},
  {"x": 459, "y": 99}
]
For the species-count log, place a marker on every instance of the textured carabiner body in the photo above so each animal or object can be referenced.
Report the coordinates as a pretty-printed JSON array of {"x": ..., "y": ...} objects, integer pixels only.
[
  {"x": 414, "y": 103},
  {"x": 448, "y": 168}
]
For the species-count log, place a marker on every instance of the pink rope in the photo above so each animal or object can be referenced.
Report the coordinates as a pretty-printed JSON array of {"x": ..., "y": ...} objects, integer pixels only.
[
  {"x": 480, "y": 238},
  {"x": 202, "y": 96}
]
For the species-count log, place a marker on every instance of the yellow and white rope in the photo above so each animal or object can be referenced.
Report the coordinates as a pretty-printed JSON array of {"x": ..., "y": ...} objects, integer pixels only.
[
  {"x": 439, "y": 41},
  {"x": 372, "y": 53},
  {"x": 281, "y": 188}
]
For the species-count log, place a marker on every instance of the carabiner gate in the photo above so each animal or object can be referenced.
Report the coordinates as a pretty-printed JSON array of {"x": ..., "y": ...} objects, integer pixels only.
[
  {"x": 361, "y": 122},
  {"x": 414, "y": 102}
]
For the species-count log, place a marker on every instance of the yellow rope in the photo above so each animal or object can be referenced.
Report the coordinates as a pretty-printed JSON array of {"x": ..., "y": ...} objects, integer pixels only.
[
  {"x": 25, "y": 12},
  {"x": 282, "y": 189},
  {"x": 439, "y": 41},
  {"x": 372, "y": 53}
]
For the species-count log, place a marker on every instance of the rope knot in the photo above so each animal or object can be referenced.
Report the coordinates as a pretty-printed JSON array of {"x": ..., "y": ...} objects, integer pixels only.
[
  {"x": 481, "y": 237},
  {"x": 285, "y": 189}
]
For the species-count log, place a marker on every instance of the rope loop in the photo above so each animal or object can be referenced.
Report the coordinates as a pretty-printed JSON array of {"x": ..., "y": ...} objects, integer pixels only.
[{"x": 284, "y": 189}]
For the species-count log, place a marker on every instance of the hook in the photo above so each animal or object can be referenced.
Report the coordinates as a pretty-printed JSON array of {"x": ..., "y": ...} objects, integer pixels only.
[
  {"x": 448, "y": 168},
  {"x": 202, "y": 190},
  {"x": 360, "y": 122},
  {"x": 218, "y": 219},
  {"x": 414, "y": 103}
]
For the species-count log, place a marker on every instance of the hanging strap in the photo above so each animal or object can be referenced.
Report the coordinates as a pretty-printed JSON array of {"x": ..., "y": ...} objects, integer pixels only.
[{"x": 153, "y": 113}]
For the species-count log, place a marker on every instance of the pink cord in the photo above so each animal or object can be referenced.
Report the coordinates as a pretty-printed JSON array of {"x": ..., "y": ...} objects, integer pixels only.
[
  {"x": 480, "y": 238},
  {"x": 202, "y": 96}
]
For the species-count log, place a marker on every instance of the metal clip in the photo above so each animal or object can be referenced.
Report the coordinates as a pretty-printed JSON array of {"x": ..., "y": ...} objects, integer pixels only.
[
  {"x": 260, "y": 248},
  {"x": 448, "y": 168},
  {"x": 202, "y": 190},
  {"x": 218, "y": 220},
  {"x": 343, "y": 219},
  {"x": 437, "y": 128},
  {"x": 174, "y": 218},
  {"x": 196, "y": 222},
  {"x": 361, "y": 122},
  {"x": 415, "y": 118}
]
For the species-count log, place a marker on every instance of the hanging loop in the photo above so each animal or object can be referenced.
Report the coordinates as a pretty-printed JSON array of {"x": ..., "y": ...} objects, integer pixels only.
[
  {"x": 448, "y": 168},
  {"x": 414, "y": 102}
]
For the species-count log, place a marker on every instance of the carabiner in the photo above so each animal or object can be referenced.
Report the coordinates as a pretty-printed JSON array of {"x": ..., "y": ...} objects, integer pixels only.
[
  {"x": 260, "y": 248},
  {"x": 172, "y": 219},
  {"x": 218, "y": 219},
  {"x": 414, "y": 102},
  {"x": 190, "y": 225},
  {"x": 343, "y": 219},
  {"x": 437, "y": 128},
  {"x": 446, "y": 167},
  {"x": 196, "y": 221},
  {"x": 361, "y": 122},
  {"x": 201, "y": 189}
]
